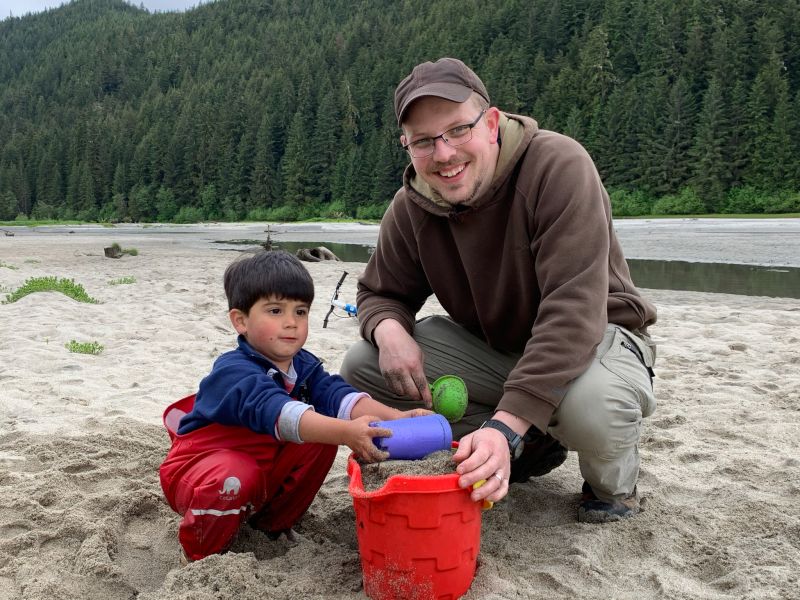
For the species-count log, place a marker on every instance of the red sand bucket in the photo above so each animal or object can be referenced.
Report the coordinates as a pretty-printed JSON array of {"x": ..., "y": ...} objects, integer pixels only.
[{"x": 418, "y": 536}]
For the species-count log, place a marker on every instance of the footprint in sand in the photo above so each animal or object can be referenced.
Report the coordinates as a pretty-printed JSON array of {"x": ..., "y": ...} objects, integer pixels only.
[
  {"x": 669, "y": 422},
  {"x": 696, "y": 457},
  {"x": 13, "y": 529}
]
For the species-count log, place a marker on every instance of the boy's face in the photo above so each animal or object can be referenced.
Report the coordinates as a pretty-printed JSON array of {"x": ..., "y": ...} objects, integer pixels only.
[{"x": 277, "y": 328}]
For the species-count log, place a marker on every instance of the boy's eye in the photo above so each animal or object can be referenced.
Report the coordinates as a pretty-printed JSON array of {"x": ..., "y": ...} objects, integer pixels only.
[
  {"x": 301, "y": 312},
  {"x": 274, "y": 311}
]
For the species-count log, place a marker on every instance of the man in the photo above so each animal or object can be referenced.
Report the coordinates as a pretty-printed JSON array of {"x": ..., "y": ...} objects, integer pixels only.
[{"x": 509, "y": 226}]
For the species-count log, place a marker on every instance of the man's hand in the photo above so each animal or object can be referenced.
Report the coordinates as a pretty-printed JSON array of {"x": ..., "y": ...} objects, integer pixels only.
[
  {"x": 400, "y": 360},
  {"x": 483, "y": 455}
]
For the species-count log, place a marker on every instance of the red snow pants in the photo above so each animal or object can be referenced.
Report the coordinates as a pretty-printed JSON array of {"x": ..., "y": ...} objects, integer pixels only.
[{"x": 219, "y": 476}]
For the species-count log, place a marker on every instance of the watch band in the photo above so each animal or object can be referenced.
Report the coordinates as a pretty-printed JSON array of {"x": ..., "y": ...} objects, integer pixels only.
[{"x": 515, "y": 440}]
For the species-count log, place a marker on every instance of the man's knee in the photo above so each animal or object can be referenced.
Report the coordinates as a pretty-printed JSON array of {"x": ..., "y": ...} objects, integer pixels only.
[
  {"x": 603, "y": 421},
  {"x": 357, "y": 356}
]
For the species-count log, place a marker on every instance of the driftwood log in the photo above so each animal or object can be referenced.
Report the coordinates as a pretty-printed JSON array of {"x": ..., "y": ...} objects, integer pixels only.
[
  {"x": 113, "y": 252},
  {"x": 317, "y": 254}
]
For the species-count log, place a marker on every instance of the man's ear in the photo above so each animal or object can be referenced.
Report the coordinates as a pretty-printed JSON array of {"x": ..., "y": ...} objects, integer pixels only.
[
  {"x": 238, "y": 320},
  {"x": 493, "y": 123}
]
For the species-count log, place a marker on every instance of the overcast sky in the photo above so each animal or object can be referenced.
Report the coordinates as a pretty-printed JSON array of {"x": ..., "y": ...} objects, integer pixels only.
[{"x": 19, "y": 8}]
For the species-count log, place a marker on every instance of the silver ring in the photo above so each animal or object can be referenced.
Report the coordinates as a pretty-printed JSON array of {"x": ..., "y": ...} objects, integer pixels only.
[{"x": 499, "y": 476}]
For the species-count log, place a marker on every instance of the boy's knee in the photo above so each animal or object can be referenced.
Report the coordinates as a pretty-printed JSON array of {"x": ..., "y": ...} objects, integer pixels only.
[{"x": 234, "y": 478}]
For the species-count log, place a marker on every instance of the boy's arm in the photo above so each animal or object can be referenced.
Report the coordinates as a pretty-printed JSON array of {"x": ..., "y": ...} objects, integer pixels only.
[
  {"x": 356, "y": 433},
  {"x": 369, "y": 406}
]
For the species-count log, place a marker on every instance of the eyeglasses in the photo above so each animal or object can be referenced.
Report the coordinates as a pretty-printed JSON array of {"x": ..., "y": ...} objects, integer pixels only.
[{"x": 460, "y": 134}]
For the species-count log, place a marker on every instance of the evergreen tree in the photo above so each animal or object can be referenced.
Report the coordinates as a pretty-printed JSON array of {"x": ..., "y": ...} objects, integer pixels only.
[
  {"x": 264, "y": 189},
  {"x": 8, "y": 206},
  {"x": 710, "y": 173},
  {"x": 324, "y": 144},
  {"x": 85, "y": 199},
  {"x": 295, "y": 163}
]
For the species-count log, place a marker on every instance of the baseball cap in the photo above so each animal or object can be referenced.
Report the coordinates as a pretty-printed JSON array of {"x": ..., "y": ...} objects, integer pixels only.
[{"x": 447, "y": 78}]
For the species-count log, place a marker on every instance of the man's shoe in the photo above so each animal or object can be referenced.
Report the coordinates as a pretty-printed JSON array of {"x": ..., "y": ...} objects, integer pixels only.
[
  {"x": 594, "y": 510},
  {"x": 542, "y": 454}
]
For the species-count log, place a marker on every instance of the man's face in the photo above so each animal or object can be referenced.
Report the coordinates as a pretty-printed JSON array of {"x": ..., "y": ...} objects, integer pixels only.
[{"x": 458, "y": 174}]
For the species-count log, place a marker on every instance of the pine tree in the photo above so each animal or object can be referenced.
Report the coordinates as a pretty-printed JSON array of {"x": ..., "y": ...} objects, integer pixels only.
[
  {"x": 324, "y": 144},
  {"x": 294, "y": 166},
  {"x": 711, "y": 175},
  {"x": 85, "y": 200}
]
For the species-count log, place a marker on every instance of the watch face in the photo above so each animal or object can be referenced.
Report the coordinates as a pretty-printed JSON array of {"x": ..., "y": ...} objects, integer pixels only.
[{"x": 518, "y": 450}]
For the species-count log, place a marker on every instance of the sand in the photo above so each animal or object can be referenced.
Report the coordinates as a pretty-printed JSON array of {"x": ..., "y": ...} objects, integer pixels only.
[{"x": 81, "y": 510}]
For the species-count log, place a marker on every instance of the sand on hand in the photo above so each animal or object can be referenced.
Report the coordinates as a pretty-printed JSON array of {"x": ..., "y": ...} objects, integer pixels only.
[{"x": 82, "y": 515}]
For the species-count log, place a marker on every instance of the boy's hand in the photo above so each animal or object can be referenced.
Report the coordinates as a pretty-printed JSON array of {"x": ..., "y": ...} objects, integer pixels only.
[{"x": 359, "y": 439}]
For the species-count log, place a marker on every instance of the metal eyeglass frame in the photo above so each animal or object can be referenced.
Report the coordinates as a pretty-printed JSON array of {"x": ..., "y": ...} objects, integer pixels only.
[{"x": 443, "y": 137}]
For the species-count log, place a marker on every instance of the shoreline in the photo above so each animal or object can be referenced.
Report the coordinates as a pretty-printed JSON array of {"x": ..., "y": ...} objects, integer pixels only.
[{"x": 760, "y": 242}]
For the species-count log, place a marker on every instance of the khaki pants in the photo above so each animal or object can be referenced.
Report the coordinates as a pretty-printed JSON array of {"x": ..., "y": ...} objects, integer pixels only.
[{"x": 600, "y": 416}]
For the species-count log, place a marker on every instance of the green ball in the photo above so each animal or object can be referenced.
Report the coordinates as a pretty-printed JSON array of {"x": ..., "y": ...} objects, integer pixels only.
[{"x": 450, "y": 397}]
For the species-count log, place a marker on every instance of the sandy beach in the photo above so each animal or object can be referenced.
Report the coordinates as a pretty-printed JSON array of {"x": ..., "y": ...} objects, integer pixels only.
[{"x": 82, "y": 515}]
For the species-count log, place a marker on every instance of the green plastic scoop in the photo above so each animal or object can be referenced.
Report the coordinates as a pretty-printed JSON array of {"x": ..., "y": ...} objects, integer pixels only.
[{"x": 450, "y": 397}]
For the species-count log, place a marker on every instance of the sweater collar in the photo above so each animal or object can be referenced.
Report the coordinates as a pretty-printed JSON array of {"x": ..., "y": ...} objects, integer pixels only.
[{"x": 301, "y": 362}]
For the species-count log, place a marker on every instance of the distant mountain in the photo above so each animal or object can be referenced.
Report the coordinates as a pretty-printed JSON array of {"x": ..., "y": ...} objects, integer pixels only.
[{"x": 284, "y": 110}]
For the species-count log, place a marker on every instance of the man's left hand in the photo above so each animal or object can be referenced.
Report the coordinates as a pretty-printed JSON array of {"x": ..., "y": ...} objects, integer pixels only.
[{"x": 483, "y": 455}]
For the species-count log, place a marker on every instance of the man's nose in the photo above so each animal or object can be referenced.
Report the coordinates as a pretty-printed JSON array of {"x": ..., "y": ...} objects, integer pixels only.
[{"x": 442, "y": 151}]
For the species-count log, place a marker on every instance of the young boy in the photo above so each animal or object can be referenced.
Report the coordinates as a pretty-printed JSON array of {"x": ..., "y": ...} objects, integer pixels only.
[{"x": 261, "y": 434}]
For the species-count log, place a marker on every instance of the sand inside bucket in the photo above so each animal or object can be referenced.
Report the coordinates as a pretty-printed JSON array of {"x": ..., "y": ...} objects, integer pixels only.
[{"x": 374, "y": 475}]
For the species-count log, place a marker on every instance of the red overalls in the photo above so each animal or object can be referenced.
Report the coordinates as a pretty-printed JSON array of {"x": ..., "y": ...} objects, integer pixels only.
[{"x": 218, "y": 476}]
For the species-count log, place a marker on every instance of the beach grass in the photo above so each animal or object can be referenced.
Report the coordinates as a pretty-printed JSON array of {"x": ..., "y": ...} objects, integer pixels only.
[
  {"x": 84, "y": 347},
  {"x": 120, "y": 250},
  {"x": 122, "y": 281},
  {"x": 68, "y": 287},
  {"x": 4, "y": 265}
]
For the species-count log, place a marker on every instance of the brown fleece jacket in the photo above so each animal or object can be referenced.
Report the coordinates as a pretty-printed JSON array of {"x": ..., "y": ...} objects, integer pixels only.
[{"x": 532, "y": 266}]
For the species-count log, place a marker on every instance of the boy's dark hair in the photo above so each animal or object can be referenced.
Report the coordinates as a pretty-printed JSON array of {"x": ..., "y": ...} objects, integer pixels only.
[{"x": 269, "y": 273}]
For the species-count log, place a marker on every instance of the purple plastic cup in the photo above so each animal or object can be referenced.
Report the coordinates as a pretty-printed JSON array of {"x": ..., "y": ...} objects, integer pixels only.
[{"x": 414, "y": 437}]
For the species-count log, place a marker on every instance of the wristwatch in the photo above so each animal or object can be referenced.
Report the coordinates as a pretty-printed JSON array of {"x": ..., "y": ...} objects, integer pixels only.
[{"x": 516, "y": 443}]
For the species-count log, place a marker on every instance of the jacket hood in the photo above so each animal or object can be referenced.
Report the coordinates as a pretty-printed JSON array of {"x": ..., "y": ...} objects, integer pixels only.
[{"x": 516, "y": 132}]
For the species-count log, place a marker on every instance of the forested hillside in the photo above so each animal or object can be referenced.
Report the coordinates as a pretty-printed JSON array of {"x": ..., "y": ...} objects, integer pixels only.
[{"x": 283, "y": 109}]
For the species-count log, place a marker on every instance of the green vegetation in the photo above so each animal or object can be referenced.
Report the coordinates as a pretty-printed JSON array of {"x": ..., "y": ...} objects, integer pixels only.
[
  {"x": 122, "y": 281},
  {"x": 283, "y": 110},
  {"x": 34, "y": 223},
  {"x": 84, "y": 347},
  {"x": 68, "y": 287},
  {"x": 4, "y": 265},
  {"x": 120, "y": 250}
]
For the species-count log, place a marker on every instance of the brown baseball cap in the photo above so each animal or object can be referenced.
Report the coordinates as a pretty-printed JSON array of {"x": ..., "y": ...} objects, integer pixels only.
[{"x": 447, "y": 78}]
